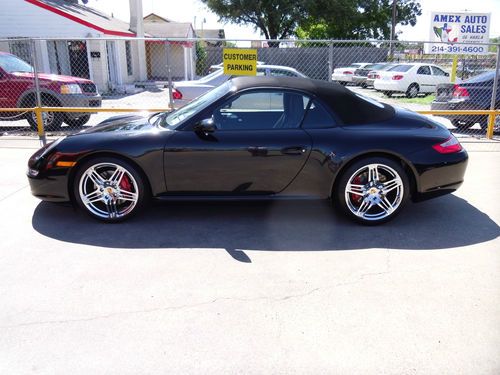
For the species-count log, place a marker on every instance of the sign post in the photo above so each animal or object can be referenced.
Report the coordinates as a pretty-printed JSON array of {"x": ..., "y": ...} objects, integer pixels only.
[{"x": 239, "y": 62}]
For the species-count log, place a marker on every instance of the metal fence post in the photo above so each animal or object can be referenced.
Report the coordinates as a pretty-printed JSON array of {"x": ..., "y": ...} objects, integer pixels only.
[
  {"x": 38, "y": 112},
  {"x": 169, "y": 73},
  {"x": 491, "y": 117},
  {"x": 330, "y": 61}
]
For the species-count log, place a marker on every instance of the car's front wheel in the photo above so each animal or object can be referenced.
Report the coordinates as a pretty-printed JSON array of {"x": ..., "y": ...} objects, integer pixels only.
[
  {"x": 372, "y": 190},
  {"x": 109, "y": 189},
  {"x": 77, "y": 122}
]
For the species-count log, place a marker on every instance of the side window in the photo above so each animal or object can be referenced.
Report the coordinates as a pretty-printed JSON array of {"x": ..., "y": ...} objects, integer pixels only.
[
  {"x": 282, "y": 73},
  {"x": 261, "y": 110},
  {"x": 424, "y": 70},
  {"x": 317, "y": 117},
  {"x": 438, "y": 71}
]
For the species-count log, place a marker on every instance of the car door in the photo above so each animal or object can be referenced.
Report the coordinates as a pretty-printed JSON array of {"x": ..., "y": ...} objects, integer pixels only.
[
  {"x": 439, "y": 76},
  {"x": 257, "y": 147},
  {"x": 425, "y": 79}
]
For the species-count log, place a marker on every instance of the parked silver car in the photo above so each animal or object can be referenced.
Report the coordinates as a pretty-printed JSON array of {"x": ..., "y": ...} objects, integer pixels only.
[{"x": 186, "y": 91}]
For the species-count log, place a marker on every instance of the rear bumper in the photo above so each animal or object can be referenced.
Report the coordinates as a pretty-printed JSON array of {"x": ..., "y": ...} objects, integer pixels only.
[
  {"x": 342, "y": 77},
  {"x": 358, "y": 80},
  {"x": 442, "y": 177},
  {"x": 459, "y": 106},
  {"x": 392, "y": 86}
]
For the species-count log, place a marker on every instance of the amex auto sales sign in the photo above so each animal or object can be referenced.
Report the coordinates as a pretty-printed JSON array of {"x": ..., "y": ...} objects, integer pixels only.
[{"x": 450, "y": 28}]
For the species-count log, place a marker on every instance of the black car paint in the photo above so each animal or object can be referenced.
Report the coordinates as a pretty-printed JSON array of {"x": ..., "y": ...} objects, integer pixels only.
[{"x": 289, "y": 163}]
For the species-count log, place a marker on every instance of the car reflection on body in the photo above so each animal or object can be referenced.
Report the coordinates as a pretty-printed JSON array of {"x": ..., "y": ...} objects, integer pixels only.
[
  {"x": 186, "y": 91},
  {"x": 256, "y": 138}
]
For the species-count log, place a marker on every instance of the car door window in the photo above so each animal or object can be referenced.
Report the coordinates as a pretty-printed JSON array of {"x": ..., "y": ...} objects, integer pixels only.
[
  {"x": 317, "y": 117},
  {"x": 438, "y": 71},
  {"x": 425, "y": 70},
  {"x": 282, "y": 73},
  {"x": 261, "y": 110}
]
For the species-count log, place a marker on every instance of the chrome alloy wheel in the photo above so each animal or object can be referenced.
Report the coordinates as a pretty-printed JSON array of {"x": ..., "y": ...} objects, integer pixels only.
[
  {"x": 374, "y": 192},
  {"x": 108, "y": 190}
]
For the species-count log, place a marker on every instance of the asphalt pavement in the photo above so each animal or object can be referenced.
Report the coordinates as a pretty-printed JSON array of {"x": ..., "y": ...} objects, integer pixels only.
[{"x": 250, "y": 288}]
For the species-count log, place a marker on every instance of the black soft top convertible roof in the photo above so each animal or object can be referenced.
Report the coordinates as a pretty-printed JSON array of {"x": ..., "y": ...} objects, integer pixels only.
[{"x": 349, "y": 107}]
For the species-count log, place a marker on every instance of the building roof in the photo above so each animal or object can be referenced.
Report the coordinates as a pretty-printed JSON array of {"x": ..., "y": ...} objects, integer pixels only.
[
  {"x": 168, "y": 29},
  {"x": 86, "y": 16},
  {"x": 153, "y": 17}
]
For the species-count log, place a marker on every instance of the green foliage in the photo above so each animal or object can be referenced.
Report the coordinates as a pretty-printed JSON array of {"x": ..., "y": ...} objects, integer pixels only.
[
  {"x": 357, "y": 19},
  {"x": 201, "y": 59},
  {"x": 317, "y": 19}
]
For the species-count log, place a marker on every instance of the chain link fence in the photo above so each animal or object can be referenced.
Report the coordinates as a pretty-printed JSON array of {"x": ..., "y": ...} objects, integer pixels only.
[{"x": 84, "y": 82}]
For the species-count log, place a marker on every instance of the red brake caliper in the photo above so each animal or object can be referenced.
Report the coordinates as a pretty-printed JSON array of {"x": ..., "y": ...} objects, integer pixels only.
[
  {"x": 355, "y": 197},
  {"x": 125, "y": 183}
]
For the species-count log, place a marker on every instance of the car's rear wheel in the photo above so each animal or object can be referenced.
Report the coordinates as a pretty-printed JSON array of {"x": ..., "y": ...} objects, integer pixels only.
[
  {"x": 372, "y": 190},
  {"x": 109, "y": 189},
  {"x": 412, "y": 91},
  {"x": 78, "y": 122},
  {"x": 388, "y": 93}
]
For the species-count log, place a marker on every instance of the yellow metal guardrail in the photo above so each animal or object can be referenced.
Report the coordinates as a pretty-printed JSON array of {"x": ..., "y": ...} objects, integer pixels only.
[{"x": 38, "y": 111}]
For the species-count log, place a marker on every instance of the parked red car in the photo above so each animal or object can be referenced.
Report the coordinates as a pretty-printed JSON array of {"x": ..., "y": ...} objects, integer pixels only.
[{"x": 17, "y": 90}]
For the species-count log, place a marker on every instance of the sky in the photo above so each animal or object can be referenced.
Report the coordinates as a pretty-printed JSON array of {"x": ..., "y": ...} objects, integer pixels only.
[{"x": 195, "y": 11}]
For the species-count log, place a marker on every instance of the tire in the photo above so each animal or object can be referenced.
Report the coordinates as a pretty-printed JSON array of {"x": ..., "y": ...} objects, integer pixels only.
[
  {"x": 51, "y": 120},
  {"x": 343, "y": 83},
  {"x": 412, "y": 91},
  {"x": 78, "y": 122},
  {"x": 109, "y": 189},
  {"x": 368, "y": 199},
  {"x": 388, "y": 94},
  {"x": 364, "y": 86}
]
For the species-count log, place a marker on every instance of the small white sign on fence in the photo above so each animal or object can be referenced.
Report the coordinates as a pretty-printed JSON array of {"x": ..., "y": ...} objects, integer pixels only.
[{"x": 464, "y": 27}]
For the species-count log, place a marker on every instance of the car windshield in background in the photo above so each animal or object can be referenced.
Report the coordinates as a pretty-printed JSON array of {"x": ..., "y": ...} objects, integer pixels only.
[
  {"x": 378, "y": 66},
  {"x": 400, "y": 68},
  {"x": 196, "y": 105},
  {"x": 12, "y": 64},
  {"x": 212, "y": 75}
]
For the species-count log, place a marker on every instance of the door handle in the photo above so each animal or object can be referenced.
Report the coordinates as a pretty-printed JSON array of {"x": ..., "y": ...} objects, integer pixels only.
[
  {"x": 257, "y": 151},
  {"x": 294, "y": 150}
]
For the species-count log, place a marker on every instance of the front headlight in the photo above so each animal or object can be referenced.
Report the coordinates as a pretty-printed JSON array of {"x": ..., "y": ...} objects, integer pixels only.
[{"x": 71, "y": 88}]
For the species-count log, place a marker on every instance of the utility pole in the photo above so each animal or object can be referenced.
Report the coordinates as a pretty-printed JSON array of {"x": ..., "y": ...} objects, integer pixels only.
[{"x": 393, "y": 27}]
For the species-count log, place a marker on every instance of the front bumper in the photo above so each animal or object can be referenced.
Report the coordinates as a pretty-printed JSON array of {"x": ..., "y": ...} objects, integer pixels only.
[{"x": 79, "y": 100}]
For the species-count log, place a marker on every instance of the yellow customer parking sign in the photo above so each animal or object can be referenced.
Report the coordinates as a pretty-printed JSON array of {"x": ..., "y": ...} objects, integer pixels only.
[{"x": 240, "y": 62}]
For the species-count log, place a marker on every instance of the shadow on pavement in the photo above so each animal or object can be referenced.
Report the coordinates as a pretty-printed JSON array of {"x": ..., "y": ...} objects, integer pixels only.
[{"x": 441, "y": 223}]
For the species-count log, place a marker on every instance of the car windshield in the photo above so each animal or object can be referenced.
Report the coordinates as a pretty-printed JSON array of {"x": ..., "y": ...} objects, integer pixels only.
[
  {"x": 400, "y": 68},
  {"x": 13, "y": 64},
  {"x": 201, "y": 102},
  {"x": 378, "y": 66}
]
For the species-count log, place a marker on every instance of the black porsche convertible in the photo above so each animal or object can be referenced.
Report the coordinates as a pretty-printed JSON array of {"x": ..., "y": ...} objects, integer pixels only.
[{"x": 256, "y": 138}]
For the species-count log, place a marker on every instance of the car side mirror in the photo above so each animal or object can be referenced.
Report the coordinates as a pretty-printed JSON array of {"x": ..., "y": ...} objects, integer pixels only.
[
  {"x": 205, "y": 126},
  {"x": 447, "y": 74}
]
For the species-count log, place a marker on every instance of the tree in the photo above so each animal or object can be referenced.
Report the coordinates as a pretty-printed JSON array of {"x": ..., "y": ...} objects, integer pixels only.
[
  {"x": 276, "y": 19},
  {"x": 356, "y": 19},
  {"x": 317, "y": 19}
]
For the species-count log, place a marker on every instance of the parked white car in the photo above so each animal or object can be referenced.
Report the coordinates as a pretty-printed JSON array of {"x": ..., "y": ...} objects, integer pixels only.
[
  {"x": 185, "y": 91},
  {"x": 344, "y": 75},
  {"x": 410, "y": 79}
]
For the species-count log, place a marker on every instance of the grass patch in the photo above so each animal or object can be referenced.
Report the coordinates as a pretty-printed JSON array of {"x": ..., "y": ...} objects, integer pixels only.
[{"x": 418, "y": 100}]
